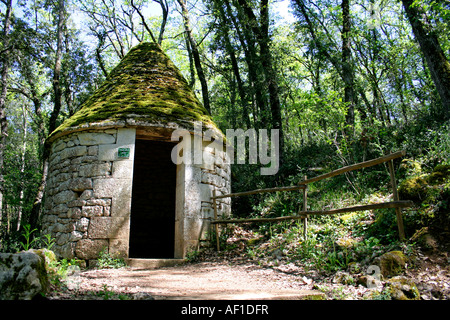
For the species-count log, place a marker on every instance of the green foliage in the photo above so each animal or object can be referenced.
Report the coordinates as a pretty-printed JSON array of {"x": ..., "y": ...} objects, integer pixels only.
[
  {"x": 192, "y": 255},
  {"x": 59, "y": 270},
  {"x": 35, "y": 241},
  {"x": 48, "y": 241},
  {"x": 27, "y": 235},
  {"x": 107, "y": 294},
  {"x": 107, "y": 260}
]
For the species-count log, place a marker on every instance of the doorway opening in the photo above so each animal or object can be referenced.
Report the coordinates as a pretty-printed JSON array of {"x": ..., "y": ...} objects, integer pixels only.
[{"x": 152, "y": 221}]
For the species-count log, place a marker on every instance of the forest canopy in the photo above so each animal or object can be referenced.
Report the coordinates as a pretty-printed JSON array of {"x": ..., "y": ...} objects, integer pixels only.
[{"x": 343, "y": 81}]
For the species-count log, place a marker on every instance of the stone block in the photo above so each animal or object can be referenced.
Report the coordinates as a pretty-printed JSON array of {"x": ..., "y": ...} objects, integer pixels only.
[
  {"x": 92, "y": 211},
  {"x": 119, "y": 248},
  {"x": 207, "y": 212},
  {"x": 122, "y": 169},
  {"x": 62, "y": 238},
  {"x": 206, "y": 192},
  {"x": 95, "y": 138},
  {"x": 76, "y": 203},
  {"x": 87, "y": 194},
  {"x": 391, "y": 263},
  {"x": 83, "y": 159},
  {"x": 126, "y": 136},
  {"x": 92, "y": 150},
  {"x": 62, "y": 177},
  {"x": 98, "y": 202},
  {"x": 95, "y": 170},
  {"x": 74, "y": 213},
  {"x": 109, "y": 227},
  {"x": 75, "y": 236},
  {"x": 82, "y": 225},
  {"x": 120, "y": 192},
  {"x": 66, "y": 251},
  {"x": 108, "y": 152},
  {"x": 73, "y": 152},
  {"x": 58, "y": 209},
  {"x": 104, "y": 188},
  {"x": 60, "y": 145},
  {"x": 88, "y": 249},
  {"x": 80, "y": 184},
  {"x": 64, "y": 197}
]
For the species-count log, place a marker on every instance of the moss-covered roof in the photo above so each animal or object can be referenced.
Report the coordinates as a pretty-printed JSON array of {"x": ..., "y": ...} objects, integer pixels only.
[{"x": 144, "y": 87}]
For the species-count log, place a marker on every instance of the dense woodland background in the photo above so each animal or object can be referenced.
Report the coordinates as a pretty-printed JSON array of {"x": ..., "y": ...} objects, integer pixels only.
[{"x": 344, "y": 81}]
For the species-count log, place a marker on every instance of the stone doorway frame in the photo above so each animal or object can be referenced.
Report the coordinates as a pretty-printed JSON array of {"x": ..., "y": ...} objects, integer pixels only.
[
  {"x": 193, "y": 191},
  {"x": 157, "y": 236}
]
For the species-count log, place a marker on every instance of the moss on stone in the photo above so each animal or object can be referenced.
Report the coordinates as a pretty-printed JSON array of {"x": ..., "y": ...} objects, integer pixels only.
[
  {"x": 392, "y": 263},
  {"x": 144, "y": 86},
  {"x": 414, "y": 189},
  {"x": 426, "y": 187},
  {"x": 402, "y": 288},
  {"x": 440, "y": 174},
  {"x": 48, "y": 257}
]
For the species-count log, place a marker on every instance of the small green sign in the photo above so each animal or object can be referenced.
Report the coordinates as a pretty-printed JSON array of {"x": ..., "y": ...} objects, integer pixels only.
[{"x": 124, "y": 152}]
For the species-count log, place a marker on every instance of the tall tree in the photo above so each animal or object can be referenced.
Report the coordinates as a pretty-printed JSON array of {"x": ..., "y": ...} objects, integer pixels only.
[
  {"x": 261, "y": 30},
  {"x": 61, "y": 19},
  {"x": 437, "y": 62},
  {"x": 165, "y": 14},
  {"x": 5, "y": 60},
  {"x": 195, "y": 54},
  {"x": 57, "y": 91},
  {"x": 343, "y": 66},
  {"x": 257, "y": 85},
  {"x": 224, "y": 31},
  {"x": 347, "y": 69}
]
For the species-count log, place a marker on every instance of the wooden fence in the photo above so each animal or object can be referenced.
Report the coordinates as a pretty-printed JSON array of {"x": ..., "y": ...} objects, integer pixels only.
[{"x": 303, "y": 213}]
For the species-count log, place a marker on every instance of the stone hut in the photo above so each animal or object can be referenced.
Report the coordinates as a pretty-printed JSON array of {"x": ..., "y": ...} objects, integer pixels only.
[{"x": 112, "y": 184}]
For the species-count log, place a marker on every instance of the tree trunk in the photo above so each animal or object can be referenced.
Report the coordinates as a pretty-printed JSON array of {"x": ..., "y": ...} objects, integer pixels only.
[
  {"x": 347, "y": 72},
  {"x": 22, "y": 168},
  {"x": 234, "y": 63},
  {"x": 261, "y": 32},
  {"x": 196, "y": 55},
  {"x": 165, "y": 13},
  {"x": 271, "y": 75},
  {"x": 57, "y": 69},
  {"x": 436, "y": 60},
  {"x": 4, "y": 90},
  {"x": 255, "y": 77},
  {"x": 36, "y": 209},
  {"x": 98, "y": 51},
  {"x": 191, "y": 81},
  {"x": 344, "y": 68}
]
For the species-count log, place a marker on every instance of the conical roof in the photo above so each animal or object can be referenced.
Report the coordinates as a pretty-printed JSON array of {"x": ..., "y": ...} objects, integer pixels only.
[{"x": 144, "y": 89}]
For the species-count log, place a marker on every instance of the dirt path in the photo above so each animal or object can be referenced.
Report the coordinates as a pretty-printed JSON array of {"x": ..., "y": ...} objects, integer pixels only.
[
  {"x": 205, "y": 280},
  {"x": 235, "y": 278}
]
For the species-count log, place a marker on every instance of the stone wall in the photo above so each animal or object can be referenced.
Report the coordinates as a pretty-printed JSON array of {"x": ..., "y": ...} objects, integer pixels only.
[
  {"x": 89, "y": 188},
  {"x": 198, "y": 182},
  {"x": 88, "y": 193}
]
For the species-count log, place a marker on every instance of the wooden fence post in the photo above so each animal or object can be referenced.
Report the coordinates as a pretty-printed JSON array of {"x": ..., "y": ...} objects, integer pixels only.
[
  {"x": 398, "y": 211},
  {"x": 305, "y": 208},
  {"x": 215, "y": 218}
]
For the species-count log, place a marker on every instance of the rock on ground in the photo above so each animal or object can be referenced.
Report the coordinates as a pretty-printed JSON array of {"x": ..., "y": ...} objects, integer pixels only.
[{"x": 22, "y": 275}]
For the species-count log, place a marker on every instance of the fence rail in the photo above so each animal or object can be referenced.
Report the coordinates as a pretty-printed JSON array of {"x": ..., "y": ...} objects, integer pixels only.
[
  {"x": 245, "y": 193},
  {"x": 302, "y": 214},
  {"x": 303, "y": 185}
]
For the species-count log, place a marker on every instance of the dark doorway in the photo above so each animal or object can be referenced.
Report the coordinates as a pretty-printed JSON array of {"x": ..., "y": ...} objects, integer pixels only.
[{"x": 152, "y": 223}]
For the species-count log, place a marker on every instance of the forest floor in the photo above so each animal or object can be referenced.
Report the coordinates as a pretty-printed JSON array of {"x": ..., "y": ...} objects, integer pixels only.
[{"x": 234, "y": 276}]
